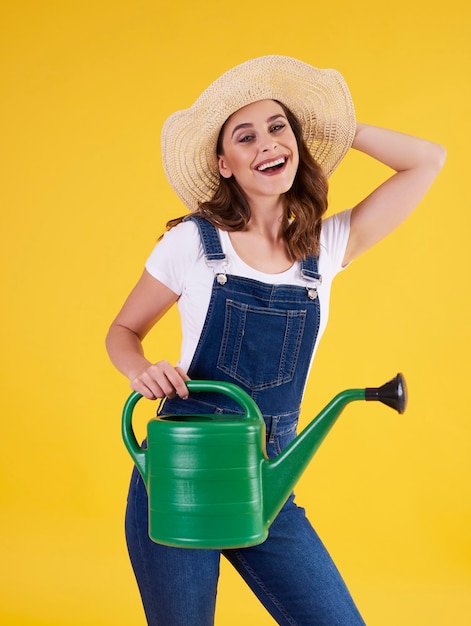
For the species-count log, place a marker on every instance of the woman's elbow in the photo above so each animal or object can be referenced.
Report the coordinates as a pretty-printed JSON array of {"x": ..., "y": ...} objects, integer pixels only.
[{"x": 436, "y": 156}]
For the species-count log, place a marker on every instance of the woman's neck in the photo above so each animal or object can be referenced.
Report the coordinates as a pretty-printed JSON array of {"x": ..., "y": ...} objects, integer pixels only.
[
  {"x": 261, "y": 244},
  {"x": 266, "y": 220}
]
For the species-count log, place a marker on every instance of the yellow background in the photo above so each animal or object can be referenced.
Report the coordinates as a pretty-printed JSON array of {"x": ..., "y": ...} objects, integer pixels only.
[{"x": 86, "y": 87}]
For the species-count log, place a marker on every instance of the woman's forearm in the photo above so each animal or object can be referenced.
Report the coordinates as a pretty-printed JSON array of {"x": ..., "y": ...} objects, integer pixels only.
[
  {"x": 152, "y": 380},
  {"x": 146, "y": 304},
  {"x": 398, "y": 150},
  {"x": 125, "y": 351}
]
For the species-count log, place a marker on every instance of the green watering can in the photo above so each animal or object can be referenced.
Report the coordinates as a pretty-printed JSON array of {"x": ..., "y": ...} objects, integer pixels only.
[{"x": 209, "y": 481}]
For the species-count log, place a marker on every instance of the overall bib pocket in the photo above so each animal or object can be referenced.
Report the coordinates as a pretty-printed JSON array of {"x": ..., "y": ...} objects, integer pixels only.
[{"x": 260, "y": 345}]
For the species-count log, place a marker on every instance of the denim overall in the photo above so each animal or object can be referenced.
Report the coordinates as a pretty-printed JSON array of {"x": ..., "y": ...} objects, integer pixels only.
[{"x": 260, "y": 337}]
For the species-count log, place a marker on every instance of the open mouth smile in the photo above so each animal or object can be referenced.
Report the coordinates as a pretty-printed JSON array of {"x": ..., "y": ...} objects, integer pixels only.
[{"x": 272, "y": 166}]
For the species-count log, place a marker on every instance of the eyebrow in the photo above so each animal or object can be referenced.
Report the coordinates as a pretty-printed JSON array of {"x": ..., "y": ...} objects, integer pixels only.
[{"x": 250, "y": 124}]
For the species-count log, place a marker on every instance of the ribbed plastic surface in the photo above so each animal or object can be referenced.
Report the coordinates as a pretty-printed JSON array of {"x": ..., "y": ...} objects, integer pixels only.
[{"x": 206, "y": 481}]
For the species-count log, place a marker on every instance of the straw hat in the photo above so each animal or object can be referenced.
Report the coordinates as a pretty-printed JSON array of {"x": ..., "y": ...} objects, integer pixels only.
[{"x": 319, "y": 98}]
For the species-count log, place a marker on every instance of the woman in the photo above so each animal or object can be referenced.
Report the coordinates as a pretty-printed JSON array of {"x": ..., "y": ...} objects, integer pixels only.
[{"x": 250, "y": 269}]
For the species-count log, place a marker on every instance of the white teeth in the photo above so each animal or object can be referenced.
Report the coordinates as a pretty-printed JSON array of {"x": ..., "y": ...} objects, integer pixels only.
[{"x": 265, "y": 166}]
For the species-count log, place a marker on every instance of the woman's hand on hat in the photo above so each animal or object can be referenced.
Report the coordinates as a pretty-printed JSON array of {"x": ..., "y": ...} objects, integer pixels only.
[{"x": 161, "y": 380}]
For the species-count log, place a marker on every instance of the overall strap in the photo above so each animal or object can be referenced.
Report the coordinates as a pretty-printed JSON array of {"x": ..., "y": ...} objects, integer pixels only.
[
  {"x": 309, "y": 271},
  {"x": 209, "y": 238},
  {"x": 212, "y": 248},
  {"x": 309, "y": 268}
]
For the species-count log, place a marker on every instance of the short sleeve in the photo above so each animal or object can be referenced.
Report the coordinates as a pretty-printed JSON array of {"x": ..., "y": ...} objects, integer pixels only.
[
  {"x": 334, "y": 240},
  {"x": 175, "y": 255}
]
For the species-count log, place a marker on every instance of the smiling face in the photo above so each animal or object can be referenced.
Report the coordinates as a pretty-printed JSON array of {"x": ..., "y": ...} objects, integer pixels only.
[{"x": 260, "y": 150}]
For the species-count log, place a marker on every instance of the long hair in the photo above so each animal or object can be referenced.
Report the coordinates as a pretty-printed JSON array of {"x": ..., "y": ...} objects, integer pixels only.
[{"x": 306, "y": 201}]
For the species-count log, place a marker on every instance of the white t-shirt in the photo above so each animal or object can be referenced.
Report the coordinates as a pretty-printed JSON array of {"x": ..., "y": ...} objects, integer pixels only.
[{"x": 178, "y": 262}]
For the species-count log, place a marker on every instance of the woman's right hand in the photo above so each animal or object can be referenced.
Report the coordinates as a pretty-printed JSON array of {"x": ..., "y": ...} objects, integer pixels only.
[{"x": 161, "y": 380}]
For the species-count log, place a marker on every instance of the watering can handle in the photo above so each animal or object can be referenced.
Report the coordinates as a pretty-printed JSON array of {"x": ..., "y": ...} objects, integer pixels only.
[
  {"x": 138, "y": 455},
  {"x": 231, "y": 390}
]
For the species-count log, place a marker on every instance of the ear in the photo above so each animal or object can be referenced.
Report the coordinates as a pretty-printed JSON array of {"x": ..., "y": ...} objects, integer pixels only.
[{"x": 224, "y": 170}]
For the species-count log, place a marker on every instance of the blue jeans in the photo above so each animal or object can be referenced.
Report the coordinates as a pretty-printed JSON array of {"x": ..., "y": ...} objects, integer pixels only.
[{"x": 291, "y": 573}]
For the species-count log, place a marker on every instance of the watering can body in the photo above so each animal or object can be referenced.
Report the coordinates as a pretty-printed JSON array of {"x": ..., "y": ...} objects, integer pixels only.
[
  {"x": 205, "y": 484},
  {"x": 209, "y": 481},
  {"x": 203, "y": 474}
]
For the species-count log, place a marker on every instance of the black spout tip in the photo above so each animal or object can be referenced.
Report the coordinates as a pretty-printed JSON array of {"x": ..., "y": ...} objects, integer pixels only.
[{"x": 393, "y": 393}]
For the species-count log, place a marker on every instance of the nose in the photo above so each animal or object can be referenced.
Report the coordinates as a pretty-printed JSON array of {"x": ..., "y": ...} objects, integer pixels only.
[{"x": 268, "y": 142}]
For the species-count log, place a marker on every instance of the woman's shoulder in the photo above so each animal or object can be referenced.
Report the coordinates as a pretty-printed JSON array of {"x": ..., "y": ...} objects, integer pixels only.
[
  {"x": 337, "y": 221},
  {"x": 181, "y": 239},
  {"x": 176, "y": 256},
  {"x": 185, "y": 230},
  {"x": 336, "y": 226},
  {"x": 180, "y": 242},
  {"x": 334, "y": 238}
]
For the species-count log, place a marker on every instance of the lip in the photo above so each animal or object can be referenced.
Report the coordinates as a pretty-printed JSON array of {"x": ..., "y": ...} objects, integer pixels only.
[{"x": 273, "y": 159}]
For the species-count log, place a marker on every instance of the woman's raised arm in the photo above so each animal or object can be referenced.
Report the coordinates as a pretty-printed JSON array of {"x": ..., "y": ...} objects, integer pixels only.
[{"x": 416, "y": 162}]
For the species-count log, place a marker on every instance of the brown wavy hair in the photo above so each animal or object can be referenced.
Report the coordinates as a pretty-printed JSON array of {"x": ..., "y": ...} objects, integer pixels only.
[{"x": 306, "y": 201}]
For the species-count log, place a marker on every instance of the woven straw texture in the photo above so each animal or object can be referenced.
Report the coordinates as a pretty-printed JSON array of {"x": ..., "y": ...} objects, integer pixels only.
[{"x": 318, "y": 97}]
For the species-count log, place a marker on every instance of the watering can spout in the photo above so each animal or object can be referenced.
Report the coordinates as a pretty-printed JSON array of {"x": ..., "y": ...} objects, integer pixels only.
[
  {"x": 282, "y": 473},
  {"x": 392, "y": 394}
]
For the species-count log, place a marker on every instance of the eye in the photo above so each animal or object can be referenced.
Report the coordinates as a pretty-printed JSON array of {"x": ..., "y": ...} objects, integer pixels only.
[
  {"x": 245, "y": 138},
  {"x": 277, "y": 127}
]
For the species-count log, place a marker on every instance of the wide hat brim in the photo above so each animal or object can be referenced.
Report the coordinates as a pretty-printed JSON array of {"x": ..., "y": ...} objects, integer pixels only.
[{"x": 319, "y": 98}]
